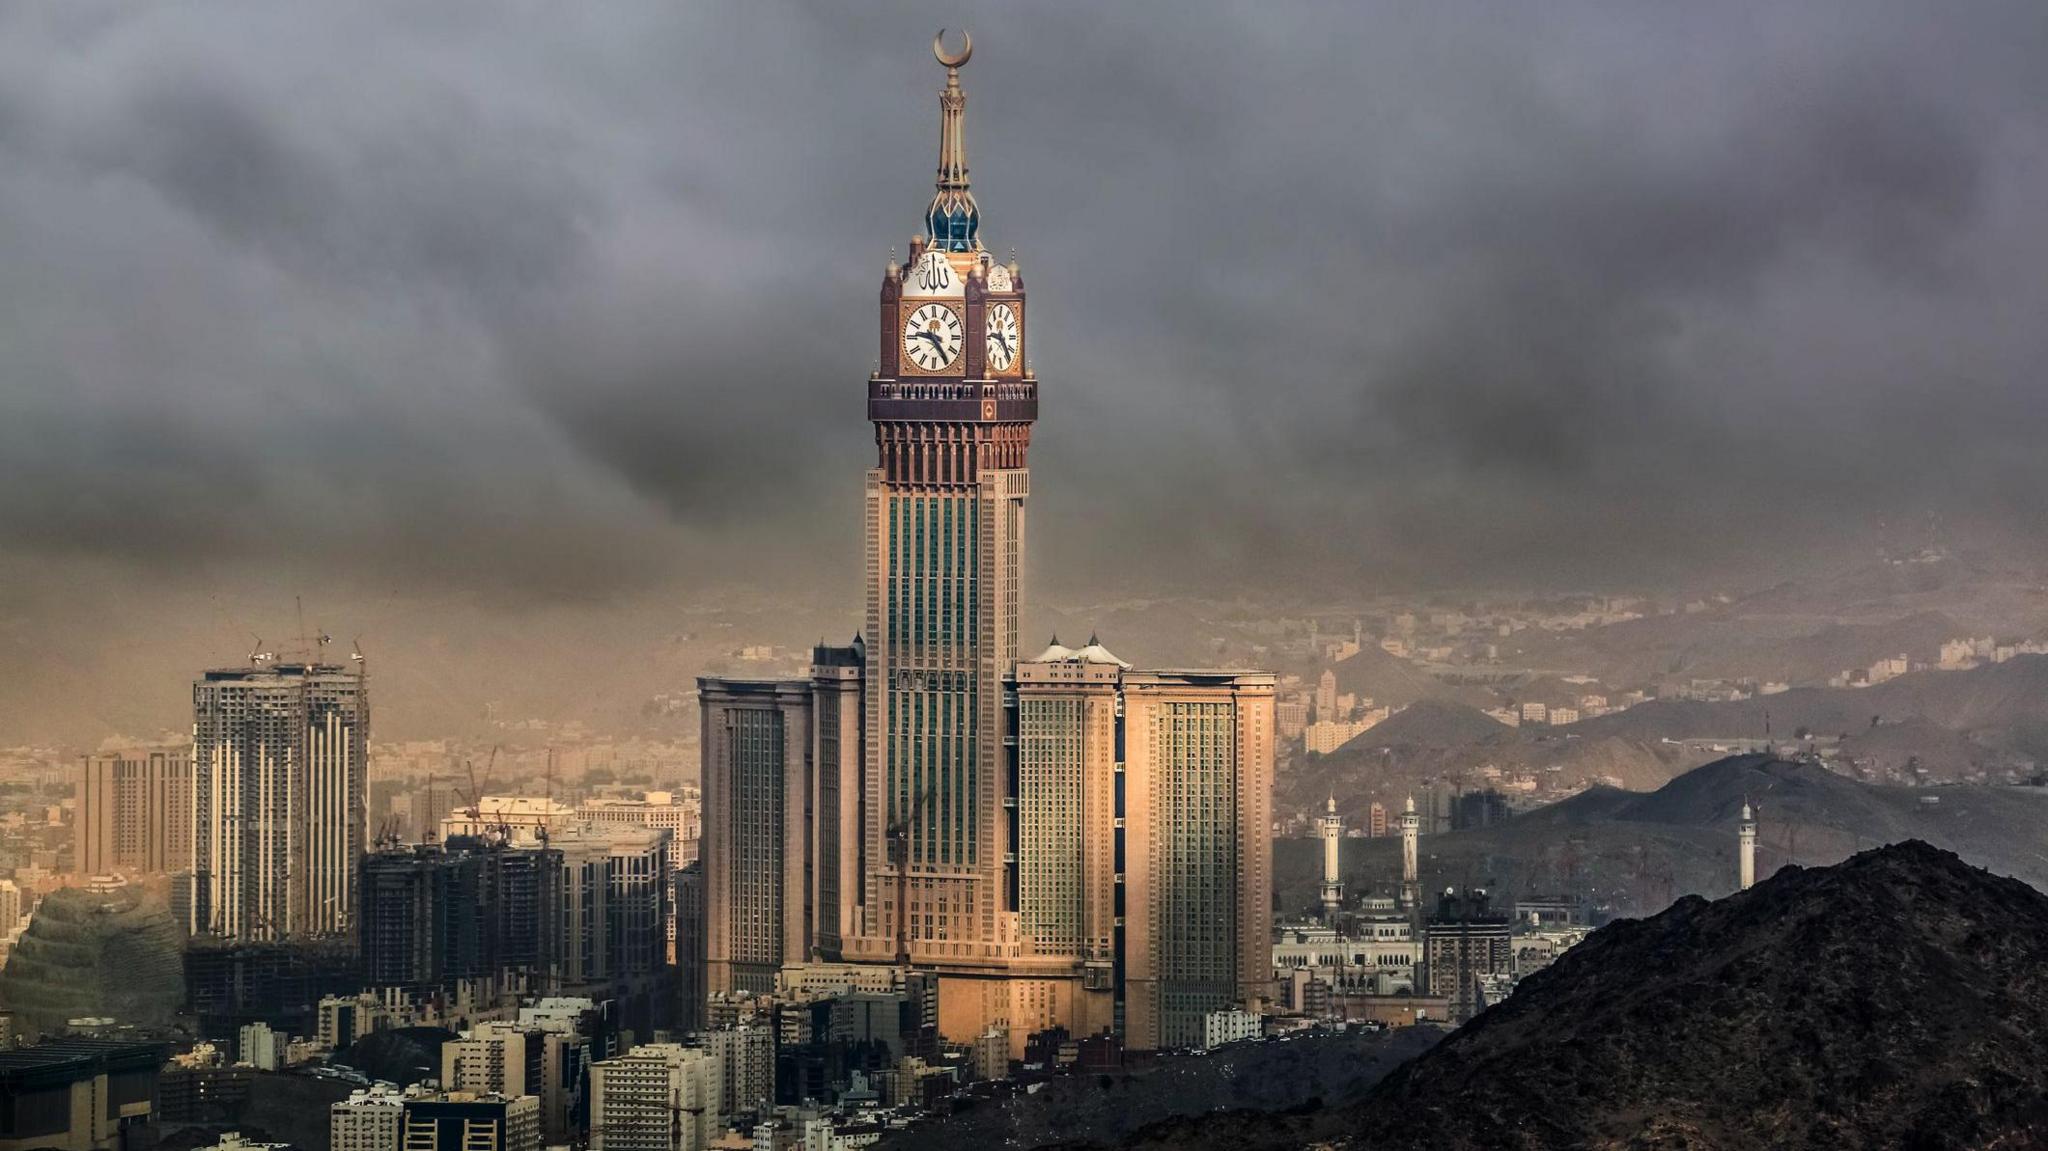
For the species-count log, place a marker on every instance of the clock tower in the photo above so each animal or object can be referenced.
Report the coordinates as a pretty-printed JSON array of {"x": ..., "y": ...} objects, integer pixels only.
[{"x": 952, "y": 402}]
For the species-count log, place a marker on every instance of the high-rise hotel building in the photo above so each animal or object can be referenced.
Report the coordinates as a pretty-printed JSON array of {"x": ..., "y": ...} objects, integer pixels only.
[
  {"x": 922, "y": 798},
  {"x": 279, "y": 813},
  {"x": 134, "y": 814}
]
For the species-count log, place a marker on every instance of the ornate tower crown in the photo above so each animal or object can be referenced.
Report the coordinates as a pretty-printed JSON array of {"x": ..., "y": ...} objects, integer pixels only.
[{"x": 953, "y": 219}]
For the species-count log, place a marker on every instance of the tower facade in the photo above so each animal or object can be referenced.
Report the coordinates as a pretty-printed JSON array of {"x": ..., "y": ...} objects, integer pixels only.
[
  {"x": 1070, "y": 846},
  {"x": 280, "y": 820},
  {"x": 952, "y": 403},
  {"x": 1411, "y": 831},
  {"x": 1330, "y": 826},
  {"x": 1198, "y": 818},
  {"x": 1746, "y": 848},
  {"x": 755, "y": 741}
]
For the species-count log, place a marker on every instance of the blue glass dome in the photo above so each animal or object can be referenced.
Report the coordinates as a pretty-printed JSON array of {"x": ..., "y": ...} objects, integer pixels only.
[{"x": 952, "y": 221}]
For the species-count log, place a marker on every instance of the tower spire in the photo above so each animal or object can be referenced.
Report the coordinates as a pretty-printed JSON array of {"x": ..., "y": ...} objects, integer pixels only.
[{"x": 953, "y": 219}]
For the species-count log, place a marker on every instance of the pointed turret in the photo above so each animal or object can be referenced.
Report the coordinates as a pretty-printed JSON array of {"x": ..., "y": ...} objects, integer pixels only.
[
  {"x": 954, "y": 220},
  {"x": 1331, "y": 827},
  {"x": 1411, "y": 831}
]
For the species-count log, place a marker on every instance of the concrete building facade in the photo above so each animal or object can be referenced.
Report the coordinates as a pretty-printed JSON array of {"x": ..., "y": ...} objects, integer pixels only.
[
  {"x": 1198, "y": 767},
  {"x": 280, "y": 761}
]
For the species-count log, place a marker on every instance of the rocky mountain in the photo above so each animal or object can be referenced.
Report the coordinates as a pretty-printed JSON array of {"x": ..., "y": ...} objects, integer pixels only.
[
  {"x": 1436, "y": 723},
  {"x": 1892, "y": 1000},
  {"x": 1395, "y": 682}
]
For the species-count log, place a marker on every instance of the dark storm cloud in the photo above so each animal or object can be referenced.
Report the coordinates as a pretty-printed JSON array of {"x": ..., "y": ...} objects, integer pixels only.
[{"x": 539, "y": 298}]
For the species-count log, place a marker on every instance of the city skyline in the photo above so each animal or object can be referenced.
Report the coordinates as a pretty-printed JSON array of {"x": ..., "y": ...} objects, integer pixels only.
[{"x": 1567, "y": 480}]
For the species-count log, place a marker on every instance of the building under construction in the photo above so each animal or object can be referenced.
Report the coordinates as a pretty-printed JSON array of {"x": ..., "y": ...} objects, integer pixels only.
[
  {"x": 230, "y": 983},
  {"x": 436, "y": 915},
  {"x": 280, "y": 754}
]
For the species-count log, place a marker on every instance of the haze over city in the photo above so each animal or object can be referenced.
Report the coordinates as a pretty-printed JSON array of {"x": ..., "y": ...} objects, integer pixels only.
[
  {"x": 1523, "y": 502},
  {"x": 376, "y": 311}
]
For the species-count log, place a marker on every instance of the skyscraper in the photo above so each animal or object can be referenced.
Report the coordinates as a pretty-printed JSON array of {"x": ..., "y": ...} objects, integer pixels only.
[
  {"x": 756, "y": 767},
  {"x": 922, "y": 799},
  {"x": 1198, "y": 818},
  {"x": 280, "y": 755},
  {"x": 952, "y": 403},
  {"x": 134, "y": 814},
  {"x": 1070, "y": 847}
]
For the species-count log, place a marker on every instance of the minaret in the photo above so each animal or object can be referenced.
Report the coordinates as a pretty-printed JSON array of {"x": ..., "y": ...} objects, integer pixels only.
[
  {"x": 1746, "y": 834},
  {"x": 1411, "y": 828},
  {"x": 1331, "y": 825}
]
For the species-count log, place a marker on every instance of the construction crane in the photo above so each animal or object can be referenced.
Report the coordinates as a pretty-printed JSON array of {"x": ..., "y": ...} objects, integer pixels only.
[
  {"x": 475, "y": 796},
  {"x": 548, "y": 800},
  {"x": 899, "y": 858}
]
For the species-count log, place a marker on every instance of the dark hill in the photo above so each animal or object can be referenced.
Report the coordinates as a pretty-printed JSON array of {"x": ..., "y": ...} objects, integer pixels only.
[
  {"x": 402, "y": 1055},
  {"x": 1395, "y": 682},
  {"x": 1893, "y": 1000},
  {"x": 1434, "y": 723}
]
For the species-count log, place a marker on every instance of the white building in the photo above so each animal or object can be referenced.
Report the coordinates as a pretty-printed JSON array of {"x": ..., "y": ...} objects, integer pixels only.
[
  {"x": 233, "y": 1141},
  {"x": 12, "y": 906},
  {"x": 680, "y": 813},
  {"x": 519, "y": 818},
  {"x": 657, "y": 1097},
  {"x": 260, "y": 1047},
  {"x": 368, "y": 1120},
  {"x": 992, "y": 1053},
  {"x": 746, "y": 1053},
  {"x": 1221, "y": 1027}
]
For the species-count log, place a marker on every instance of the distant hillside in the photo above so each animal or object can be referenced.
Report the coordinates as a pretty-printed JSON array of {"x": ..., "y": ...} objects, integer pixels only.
[
  {"x": 1433, "y": 723},
  {"x": 1387, "y": 763},
  {"x": 1991, "y": 698},
  {"x": 1396, "y": 682},
  {"x": 1639, "y": 851}
]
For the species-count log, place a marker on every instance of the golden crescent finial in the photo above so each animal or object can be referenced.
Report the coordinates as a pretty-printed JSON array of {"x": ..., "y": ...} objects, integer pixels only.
[{"x": 939, "y": 49}]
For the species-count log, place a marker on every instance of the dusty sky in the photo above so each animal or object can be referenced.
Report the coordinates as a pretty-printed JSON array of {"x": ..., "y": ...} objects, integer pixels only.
[{"x": 560, "y": 300}]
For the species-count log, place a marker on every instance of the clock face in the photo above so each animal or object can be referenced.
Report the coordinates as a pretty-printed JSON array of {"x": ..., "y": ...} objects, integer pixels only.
[
  {"x": 1003, "y": 341},
  {"x": 931, "y": 337}
]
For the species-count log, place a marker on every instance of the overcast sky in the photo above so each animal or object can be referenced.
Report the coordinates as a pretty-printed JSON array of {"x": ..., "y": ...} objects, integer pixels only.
[{"x": 566, "y": 298}]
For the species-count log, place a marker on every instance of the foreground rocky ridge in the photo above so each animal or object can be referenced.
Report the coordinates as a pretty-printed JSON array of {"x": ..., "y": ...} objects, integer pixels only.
[{"x": 1896, "y": 999}]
